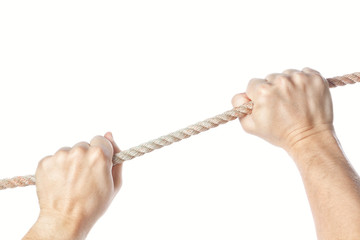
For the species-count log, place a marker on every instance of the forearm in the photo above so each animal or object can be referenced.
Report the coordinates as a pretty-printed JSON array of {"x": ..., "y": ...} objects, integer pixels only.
[{"x": 332, "y": 186}]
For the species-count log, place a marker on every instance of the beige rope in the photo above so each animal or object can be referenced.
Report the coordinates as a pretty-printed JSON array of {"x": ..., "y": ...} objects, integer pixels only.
[{"x": 22, "y": 181}]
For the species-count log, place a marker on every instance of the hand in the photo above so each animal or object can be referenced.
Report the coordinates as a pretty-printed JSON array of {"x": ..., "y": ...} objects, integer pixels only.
[
  {"x": 293, "y": 110},
  {"x": 288, "y": 107},
  {"x": 75, "y": 186}
]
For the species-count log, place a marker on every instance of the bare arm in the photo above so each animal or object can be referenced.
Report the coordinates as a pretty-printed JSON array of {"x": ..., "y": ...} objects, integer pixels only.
[
  {"x": 293, "y": 110},
  {"x": 332, "y": 186}
]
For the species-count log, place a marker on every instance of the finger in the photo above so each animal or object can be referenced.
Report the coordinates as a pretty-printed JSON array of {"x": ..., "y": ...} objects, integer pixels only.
[
  {"x": 105, "y": 146},
  {"x": 275, "y": 77},
  {"x": 310, "y": 71},
  {"x": 253, "y": 86},
  {"x": 110, "y": 137},
  {"x": 290, "y": 71},
  {"x": 43, "y": 164},
  {"x": 44, "y": 159},
  {"x": 80, "y": 149},
  {"x": 83, "y": 145},
  {"x": 313, "y": 72},
  {"x": 62, "y": 152},
  {"x": 64, "y": 149},
  {"x": 246, "y": 120},
  {"x": 117, "y": 169},
  {"x": 240, "y": 99}
]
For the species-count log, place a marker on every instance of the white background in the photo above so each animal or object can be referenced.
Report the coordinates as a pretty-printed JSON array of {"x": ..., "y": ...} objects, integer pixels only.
[{"x": 70, "y": 70}]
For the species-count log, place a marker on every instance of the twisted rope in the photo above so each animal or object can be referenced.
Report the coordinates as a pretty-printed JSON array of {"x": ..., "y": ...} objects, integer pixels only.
[{"x": 22, "y": 181}]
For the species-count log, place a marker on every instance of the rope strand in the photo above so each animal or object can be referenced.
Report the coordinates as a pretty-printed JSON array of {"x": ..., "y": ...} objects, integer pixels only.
[{"x": 22, "y": 181}]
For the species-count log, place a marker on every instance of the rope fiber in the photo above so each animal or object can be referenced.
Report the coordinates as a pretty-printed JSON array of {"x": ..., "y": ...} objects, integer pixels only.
[{"x": 22, "y": 181}]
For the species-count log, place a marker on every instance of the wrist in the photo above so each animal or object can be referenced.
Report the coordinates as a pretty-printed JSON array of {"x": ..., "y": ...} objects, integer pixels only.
[
  {"x": 51, "y": 225},
  {"x": 300, "y": 140},
  {"x": 309, "y": 144}
]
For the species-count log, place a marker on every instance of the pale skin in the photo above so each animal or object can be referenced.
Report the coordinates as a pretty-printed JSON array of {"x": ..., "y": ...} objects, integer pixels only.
[
  {"x": 292, "y": 110},
  {"x": 75, "y": 186}
]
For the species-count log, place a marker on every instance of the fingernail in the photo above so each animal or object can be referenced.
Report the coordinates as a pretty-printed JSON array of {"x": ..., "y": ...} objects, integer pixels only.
[{"x": 111, "y": 136}]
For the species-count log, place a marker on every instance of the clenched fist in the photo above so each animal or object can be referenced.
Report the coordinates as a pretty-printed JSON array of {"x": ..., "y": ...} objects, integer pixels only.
[
  {"x": 288, "y": 107},
  {"x": 75, "y": 186}
]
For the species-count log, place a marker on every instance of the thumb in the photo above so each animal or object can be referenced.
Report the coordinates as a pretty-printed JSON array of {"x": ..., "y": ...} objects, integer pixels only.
[
  {"x": 117, "y": 169},
  {"x": 110, "y": 137}
]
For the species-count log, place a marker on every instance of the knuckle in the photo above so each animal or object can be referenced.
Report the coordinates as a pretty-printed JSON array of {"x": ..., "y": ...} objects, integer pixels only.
[
  {"x": 279, "y": 79},
  {"x": 282, "y": 80},
  {"x": 319, "y": 81},
  {"x": 264, "y": 89},
  {"x": 306, "y": 69},
  {"x": 283, "y": 77},
  {"x": 78, "y": 151},
  {"x": 300, "y": 78},
  {"x": 290, "y": 71},
  {"x": 44, "y": 162},
  {"x": 318, "y": 77},
  {"x": 299, "y": 75},
  {"x": 61, "y": 154},
  {"x": 252, "y": 81},
  {"x": 271, "y": 75},
  {"x": 97, "y": 138},
  {"x": 97, "y": 152},
  {"x": 287, "y": 70},
  {"x": 41, "y": 163}
]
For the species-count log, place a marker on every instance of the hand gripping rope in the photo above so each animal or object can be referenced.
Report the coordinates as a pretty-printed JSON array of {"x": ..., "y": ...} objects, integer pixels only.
[{"x": 22, "y": 181}]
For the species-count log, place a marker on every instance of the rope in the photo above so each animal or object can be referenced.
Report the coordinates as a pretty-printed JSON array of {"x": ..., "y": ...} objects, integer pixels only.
[{"x": 22, "y": 181}]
